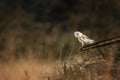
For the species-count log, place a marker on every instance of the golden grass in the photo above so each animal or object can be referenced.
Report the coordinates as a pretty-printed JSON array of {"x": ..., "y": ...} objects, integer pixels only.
[
  {"x": 72, "y": 68},
  {"x": 26, "y": 70}
]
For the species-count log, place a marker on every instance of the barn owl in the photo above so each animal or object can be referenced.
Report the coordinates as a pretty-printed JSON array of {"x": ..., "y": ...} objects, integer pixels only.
[{"x": 83, "y": 38}]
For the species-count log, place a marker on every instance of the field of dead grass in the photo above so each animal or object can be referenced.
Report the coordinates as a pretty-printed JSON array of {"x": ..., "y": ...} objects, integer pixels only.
[{"x": 26, "y": 70}]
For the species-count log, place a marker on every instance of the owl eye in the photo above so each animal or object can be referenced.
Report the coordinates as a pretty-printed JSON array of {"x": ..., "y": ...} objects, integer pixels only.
[{"x": 77, "y": 34}]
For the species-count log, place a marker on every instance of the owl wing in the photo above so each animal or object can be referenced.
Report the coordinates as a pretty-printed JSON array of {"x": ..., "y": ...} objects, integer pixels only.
[{"x": 84, "y": 37}]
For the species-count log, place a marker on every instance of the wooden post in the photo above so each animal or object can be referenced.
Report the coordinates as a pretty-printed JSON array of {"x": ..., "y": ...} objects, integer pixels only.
[{"x": 101, "y": 43}]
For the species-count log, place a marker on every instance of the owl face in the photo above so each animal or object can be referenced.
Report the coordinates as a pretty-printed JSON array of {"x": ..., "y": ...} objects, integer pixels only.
[{"x": 77, "y": 34}]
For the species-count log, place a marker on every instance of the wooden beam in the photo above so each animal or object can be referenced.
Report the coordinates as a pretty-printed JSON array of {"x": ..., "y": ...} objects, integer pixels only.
[{"x": 101, "y": 43}]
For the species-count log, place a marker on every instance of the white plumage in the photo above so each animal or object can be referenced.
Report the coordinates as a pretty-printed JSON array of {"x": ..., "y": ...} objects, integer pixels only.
[{"x": 83, "y": 38}]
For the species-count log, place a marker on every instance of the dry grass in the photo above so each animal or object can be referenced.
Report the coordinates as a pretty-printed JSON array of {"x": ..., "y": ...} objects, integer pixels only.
[
  {"x": 72, "y": 68},
  {"x": 26, "y": 70},
  {"x": 94, "y": 68}
]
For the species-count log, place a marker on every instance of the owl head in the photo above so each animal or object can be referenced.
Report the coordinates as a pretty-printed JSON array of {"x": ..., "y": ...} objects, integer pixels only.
[{"x": 77, "y": 34}]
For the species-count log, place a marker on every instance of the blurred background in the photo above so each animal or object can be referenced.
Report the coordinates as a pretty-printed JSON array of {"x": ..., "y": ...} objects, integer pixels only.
[
  {"x": 37, "y": 34},
  {"x": 43, "y": 29}
]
